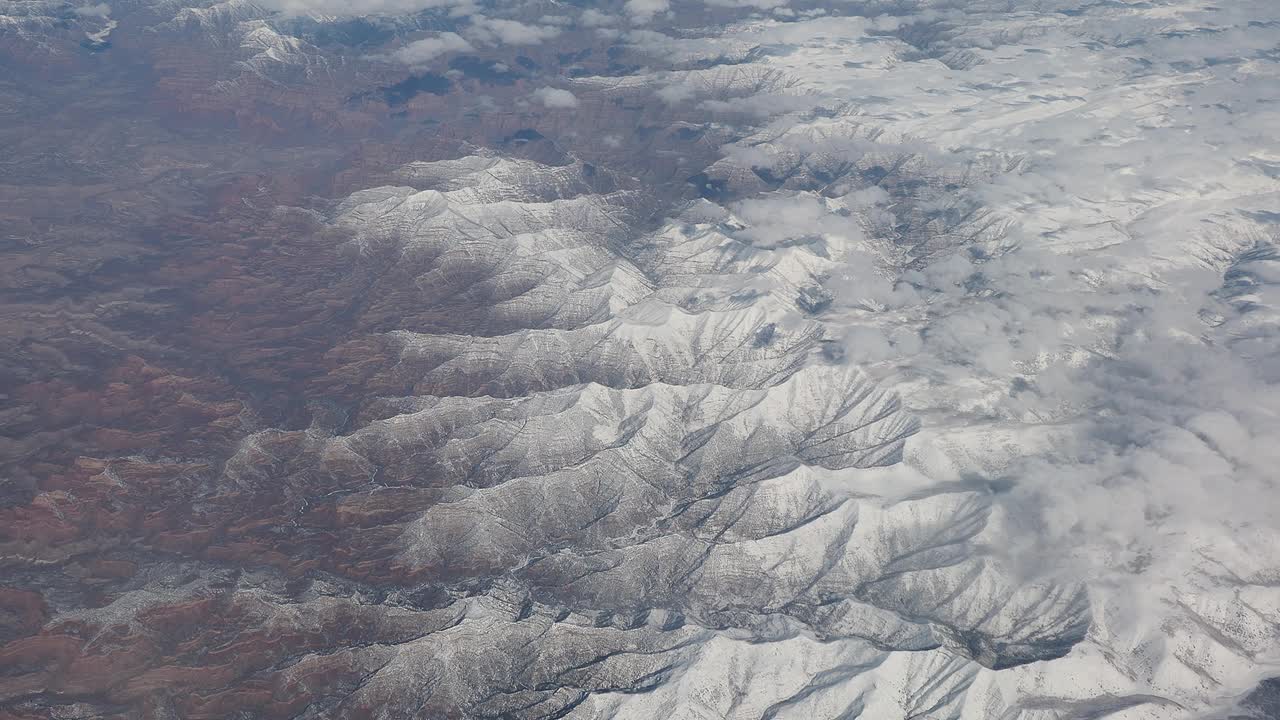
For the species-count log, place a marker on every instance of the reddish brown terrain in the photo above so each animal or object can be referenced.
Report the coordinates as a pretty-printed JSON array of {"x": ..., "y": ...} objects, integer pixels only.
[{"x": 182, "y": 332}]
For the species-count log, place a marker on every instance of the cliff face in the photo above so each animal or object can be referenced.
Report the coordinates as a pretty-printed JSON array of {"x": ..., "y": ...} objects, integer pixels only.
[{"x": 784, "y": 371}]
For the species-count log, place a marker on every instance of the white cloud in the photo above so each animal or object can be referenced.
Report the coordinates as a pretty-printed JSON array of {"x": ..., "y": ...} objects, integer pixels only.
[
  {"x": 675, "y": 93},
  {"x": 423, "y": 51},
  {"x": 763, "y": 105},
  {"x": 499, "y": 31},
  {"x": 774, "y": 219},
  {"x": 643, "y": 11},
  {"x": 555, "y": 98},
  {"x": 756, "y": 4},
  {"x": 594, "y": 18},
  {"x": 345, "y": 8},
  {"x": 100, "y": 10}
]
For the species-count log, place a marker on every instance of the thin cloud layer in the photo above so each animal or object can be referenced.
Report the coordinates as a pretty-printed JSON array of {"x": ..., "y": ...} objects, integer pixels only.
[
  {"x": 644, "y": 11},
  {"x": 425, "y": 50},
  {"x": 555, "y": 98},
  {"x": 341, "y": 8},
  {"x": 500, "y": 31}
]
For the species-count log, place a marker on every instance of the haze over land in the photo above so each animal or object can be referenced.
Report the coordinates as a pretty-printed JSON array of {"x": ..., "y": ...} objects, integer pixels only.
[{"x": 645, "y": 359}]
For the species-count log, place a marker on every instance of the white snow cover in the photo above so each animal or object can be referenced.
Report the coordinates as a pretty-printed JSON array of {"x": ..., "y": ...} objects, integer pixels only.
[
  {"x": 1080, "y": 305},
  {"x": 963, "y": 407}
]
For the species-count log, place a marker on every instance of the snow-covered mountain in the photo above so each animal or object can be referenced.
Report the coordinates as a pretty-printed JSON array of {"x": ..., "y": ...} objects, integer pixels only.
[{"x": 417, "y": 359}]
